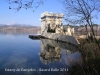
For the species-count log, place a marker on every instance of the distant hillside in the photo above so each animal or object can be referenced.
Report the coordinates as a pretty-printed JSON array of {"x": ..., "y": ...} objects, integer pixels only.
[
  {"x": 19, "y": 29},
  {"x": 81, "y": 30},
  {"x": 96, "y": 28}
]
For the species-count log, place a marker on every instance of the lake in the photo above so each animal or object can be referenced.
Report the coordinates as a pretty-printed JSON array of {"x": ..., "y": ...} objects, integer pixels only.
[{"x": 21, "y": 55}]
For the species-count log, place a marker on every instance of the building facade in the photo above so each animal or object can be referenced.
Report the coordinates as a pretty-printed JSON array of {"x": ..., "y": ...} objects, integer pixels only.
[{"x": 52, "y": 23}]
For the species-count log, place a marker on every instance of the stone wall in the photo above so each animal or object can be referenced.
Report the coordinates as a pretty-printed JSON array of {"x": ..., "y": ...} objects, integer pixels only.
[
  {"x": 61, "y": 37},
  {"x": 50, "y": 20}
]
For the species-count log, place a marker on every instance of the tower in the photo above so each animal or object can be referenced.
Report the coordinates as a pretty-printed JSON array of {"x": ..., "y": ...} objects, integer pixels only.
[{"x": 50, "y": 21}]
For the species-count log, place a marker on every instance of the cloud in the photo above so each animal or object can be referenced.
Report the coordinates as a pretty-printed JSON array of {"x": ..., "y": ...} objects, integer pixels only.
[{"x": 12, "y": 22}]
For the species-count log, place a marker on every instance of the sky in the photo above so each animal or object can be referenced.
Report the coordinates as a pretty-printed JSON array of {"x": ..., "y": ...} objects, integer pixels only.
[{"x": 23, "y": 16}]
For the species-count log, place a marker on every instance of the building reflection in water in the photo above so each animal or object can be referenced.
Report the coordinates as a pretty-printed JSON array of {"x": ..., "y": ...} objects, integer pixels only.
[{"x": 52, "y": 51}]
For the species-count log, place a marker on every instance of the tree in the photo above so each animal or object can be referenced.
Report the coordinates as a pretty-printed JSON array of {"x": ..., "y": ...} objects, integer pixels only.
[
  {"x": 76, "y": 11},
  {"x": 26, "y": 4},
  {"x": 81, "y": 12}
]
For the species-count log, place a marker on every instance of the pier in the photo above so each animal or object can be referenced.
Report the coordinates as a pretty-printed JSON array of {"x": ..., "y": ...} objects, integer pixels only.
[{"x": 35, "y": 37}]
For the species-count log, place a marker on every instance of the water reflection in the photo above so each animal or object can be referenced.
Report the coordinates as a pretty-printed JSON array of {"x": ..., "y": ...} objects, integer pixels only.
[
  {"x": 53, "y": 51},
  {"x": 22, "y": 52},
  {"x": 17, "y": 32}
]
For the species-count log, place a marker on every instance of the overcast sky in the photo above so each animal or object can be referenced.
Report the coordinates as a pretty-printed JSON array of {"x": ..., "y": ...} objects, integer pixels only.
[{"x": 24, "y": 16}]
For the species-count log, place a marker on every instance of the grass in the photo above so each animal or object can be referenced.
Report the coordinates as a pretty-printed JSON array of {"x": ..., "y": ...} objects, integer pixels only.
[{"x": 90, "y": 51}]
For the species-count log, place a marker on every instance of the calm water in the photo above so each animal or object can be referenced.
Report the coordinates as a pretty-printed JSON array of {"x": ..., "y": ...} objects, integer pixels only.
[{"x": 20, "y": 55}]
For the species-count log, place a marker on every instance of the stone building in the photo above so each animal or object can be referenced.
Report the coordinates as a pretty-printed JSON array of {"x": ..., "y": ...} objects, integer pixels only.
[
  {"x": 52, "y": 23},
  {"x": 53, "y": 28}
]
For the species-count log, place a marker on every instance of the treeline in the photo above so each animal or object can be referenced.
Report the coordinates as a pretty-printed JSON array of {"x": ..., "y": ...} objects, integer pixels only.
[{"x": 19, "y": 27}]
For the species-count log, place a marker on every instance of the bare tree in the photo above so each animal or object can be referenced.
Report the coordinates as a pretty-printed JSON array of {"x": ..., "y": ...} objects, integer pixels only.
[
  {"x": 76, "y": 11},
  {"x": 81, "y": 12},
  {"x": 26, "y": 4}
]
